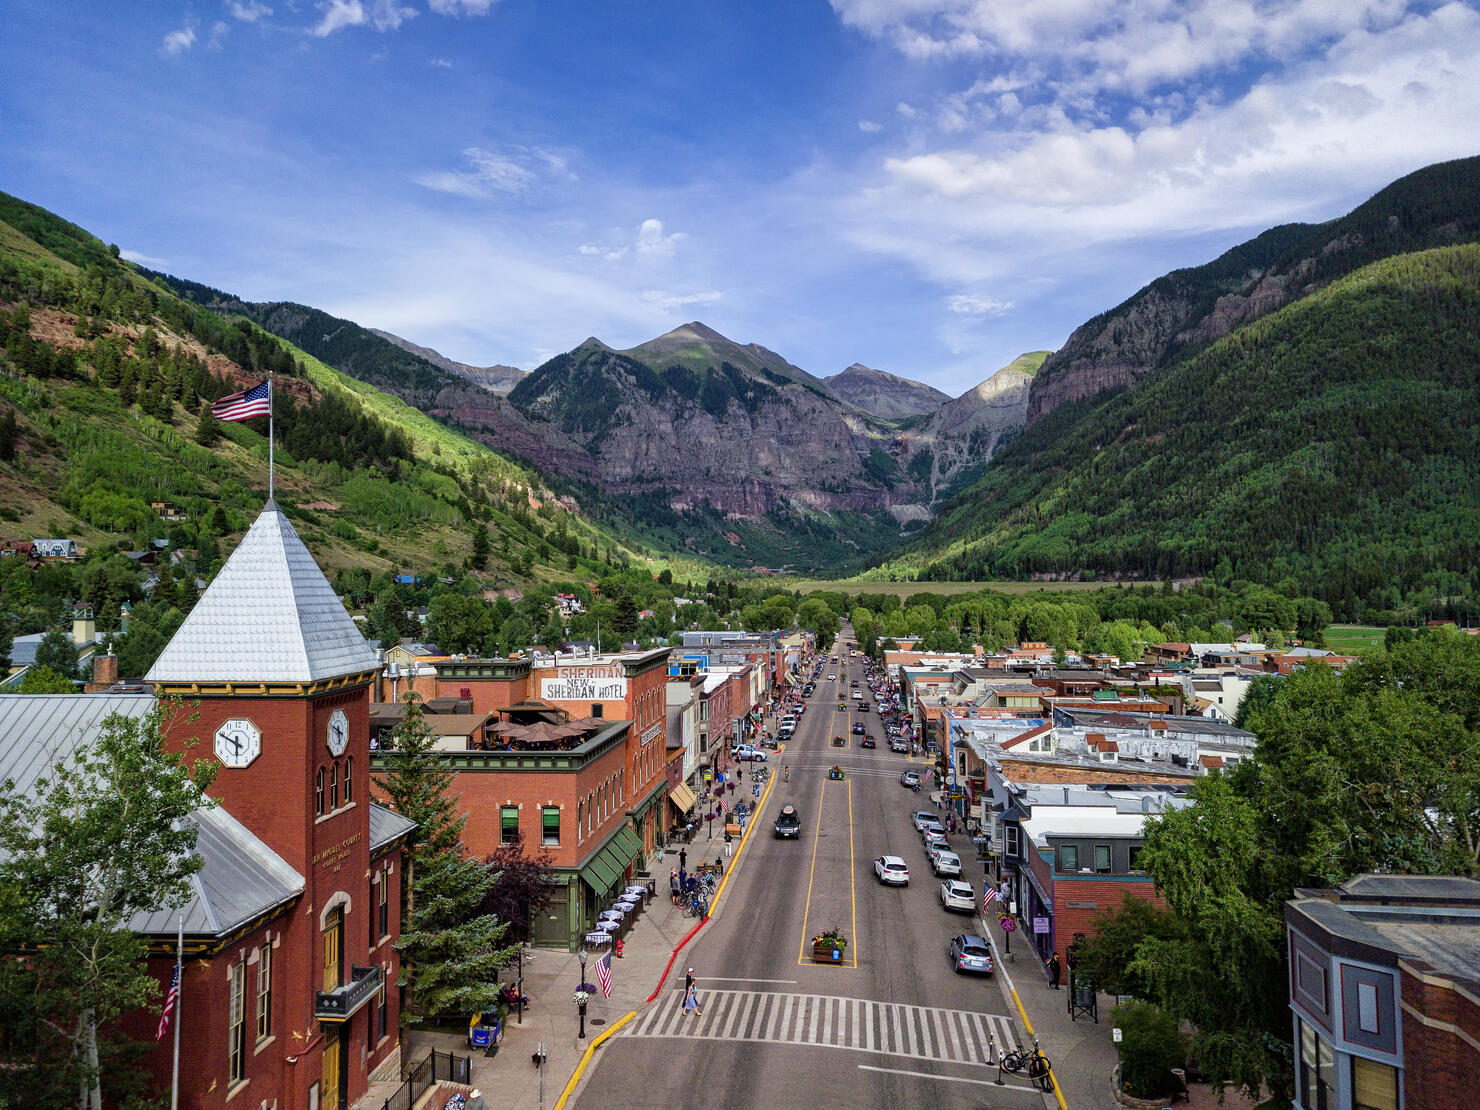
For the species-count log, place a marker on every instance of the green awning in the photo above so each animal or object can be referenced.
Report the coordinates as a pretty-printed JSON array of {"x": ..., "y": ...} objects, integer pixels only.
[
  {"x": 598, "y": 874},
  {"x": 630, "y": 844}
]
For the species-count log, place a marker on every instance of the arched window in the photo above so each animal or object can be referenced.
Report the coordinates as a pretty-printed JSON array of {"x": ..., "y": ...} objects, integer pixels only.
[
  {"x": 318, "y": 794},
  {"x": 349, "y": 780},
  {"x": 333, "y": 786}
]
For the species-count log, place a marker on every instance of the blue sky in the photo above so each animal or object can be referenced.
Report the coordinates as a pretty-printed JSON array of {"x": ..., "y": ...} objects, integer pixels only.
[{"x": 929, "y": 187}]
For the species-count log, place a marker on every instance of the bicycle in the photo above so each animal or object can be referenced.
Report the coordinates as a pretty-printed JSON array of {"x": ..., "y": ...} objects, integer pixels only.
[
  {"x": 696, "y": 907},
  {"x": 1034, "y": 1064}
]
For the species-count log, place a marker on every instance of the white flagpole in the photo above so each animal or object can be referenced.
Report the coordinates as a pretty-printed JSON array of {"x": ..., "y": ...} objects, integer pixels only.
[
  {"x": 269, "y": 437},
  {"x": 179, "y": 1012}
]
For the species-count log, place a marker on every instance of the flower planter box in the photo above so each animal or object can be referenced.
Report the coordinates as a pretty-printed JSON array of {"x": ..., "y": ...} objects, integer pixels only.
[{"x": 827, "y": 954}]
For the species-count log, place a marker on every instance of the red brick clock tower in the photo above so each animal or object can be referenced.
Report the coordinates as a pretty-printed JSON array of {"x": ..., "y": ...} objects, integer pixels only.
[{"x": 281, "y": 678}]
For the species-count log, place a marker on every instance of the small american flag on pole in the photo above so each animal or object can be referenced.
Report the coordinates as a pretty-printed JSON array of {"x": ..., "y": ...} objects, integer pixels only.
[
  {"x": 990, "y": 895},
  {"x": 169, "y": 1004},
  {"x": 604, "y": 974},
  {"x": 256, "y": 401}
]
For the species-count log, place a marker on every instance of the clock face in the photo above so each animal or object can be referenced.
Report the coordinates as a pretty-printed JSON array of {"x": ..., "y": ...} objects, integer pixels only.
[
  {"x": 338, "y": 732},
  {"x": 238, "y": 742}
]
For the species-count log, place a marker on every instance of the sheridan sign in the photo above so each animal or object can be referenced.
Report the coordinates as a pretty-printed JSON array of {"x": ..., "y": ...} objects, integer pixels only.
[{"x": 598, "y": 683}]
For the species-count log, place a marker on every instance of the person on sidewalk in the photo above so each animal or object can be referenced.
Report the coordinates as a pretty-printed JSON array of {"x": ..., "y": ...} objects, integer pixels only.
[
  {"x": 683, "y": 859},
  {"x": 1053, "y": 971},
  {"x": 729, "y": 844},
  {"x": 673, "y": 883}
]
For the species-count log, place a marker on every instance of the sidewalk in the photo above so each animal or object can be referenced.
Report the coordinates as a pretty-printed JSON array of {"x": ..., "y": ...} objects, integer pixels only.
[
  {"x": 1083, "y": 1053},
  {"x": 550, "y": 978}
]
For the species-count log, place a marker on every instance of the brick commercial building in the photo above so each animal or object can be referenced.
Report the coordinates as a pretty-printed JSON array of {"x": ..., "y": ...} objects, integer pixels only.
[
  {"x": 1385, "y": 993},
  {"x": 288, "y": 994},
  {"x": 590, "y": 789}
]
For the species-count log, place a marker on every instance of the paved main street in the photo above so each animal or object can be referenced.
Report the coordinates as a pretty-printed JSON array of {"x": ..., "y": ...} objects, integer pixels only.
[{"x": 892, "y": 1025}]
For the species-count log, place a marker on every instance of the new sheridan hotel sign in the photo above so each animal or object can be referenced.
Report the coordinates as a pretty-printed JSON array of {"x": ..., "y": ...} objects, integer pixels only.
[{"x": 603, "y": 682}]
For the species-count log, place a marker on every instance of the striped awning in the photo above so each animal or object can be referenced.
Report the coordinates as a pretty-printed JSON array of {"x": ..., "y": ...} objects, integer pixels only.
[{"x": 683, "y": 797}]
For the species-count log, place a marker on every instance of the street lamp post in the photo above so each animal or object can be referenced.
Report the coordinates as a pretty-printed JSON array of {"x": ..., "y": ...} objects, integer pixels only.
[
  {"x": 582, "y": 990},
  {"x": 519, "y": 984}
]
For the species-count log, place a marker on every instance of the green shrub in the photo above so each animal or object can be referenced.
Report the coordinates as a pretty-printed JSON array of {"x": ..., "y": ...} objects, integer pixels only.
[{"x": 1152, "y": 1043}]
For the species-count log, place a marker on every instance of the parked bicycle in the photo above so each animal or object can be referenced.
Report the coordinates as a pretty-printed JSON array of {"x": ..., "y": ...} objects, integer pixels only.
[
  {"x": 1032, "y": 1063},
  {"x": 697, "y": 907}
]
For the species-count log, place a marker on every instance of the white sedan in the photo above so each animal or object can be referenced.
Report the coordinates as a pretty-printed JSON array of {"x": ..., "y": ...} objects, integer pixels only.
[
  {"x": 956, "y": 894},
  {"x": 892, "y": 870}
]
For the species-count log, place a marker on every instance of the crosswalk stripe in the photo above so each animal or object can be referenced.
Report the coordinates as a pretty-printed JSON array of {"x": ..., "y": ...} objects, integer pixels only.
[{"x": 835, "y": 1021}]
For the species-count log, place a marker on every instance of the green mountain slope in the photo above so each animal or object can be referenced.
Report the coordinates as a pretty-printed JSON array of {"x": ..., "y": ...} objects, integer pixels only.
[
  {"x": 1182, "y": 312},
  {"x": 103, "y": 379},
  {"x": 1335, "y": 443}
]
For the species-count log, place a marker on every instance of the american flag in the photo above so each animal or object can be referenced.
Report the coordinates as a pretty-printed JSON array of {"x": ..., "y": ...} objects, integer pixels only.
[
  {"x": 256, "y": 401},
  {"x": 990, "y": 895},
  {"x": 169, "y": 1004},
  {"x": 604, "y": 974}
]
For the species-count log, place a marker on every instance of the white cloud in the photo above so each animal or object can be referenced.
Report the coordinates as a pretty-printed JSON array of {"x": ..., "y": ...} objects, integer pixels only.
[
  {"x": 439, "y": 63},
  {"x": 515, "y": 171},
  {"x": 248, "y": 11},
  {"x": 219, "y": 30},
  {"x": 380, "y": 15},
  {"x": 970, "y": 304},
  {"x": 869, "y": 127},
  {"x": 177, "y": 42},
  {"x": 461, "y": 7},
  {"x": 652, "y": 243},
  {"x": 144, "y": 259},
  {"x": 667, "y": 302}
]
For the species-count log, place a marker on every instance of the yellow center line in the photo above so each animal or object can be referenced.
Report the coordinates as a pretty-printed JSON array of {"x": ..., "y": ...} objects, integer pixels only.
[
  {"x": 807, "y": 907},
  {"x": 852, "y": 876}
]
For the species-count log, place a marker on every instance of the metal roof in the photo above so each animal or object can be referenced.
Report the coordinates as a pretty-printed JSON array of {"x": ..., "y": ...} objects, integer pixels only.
[
  {"x": 241, "y": 877},
  {"x": 270, "y": 616},
  {"x": 386, "y": 825}
]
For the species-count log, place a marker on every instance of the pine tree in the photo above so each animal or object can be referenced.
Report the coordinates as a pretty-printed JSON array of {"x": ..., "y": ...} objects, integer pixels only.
[
  {"x": 9, "y": 433},
  {"x": 450, "y": 954},
  {"x": 57, "y": 651},
  {"x": 480, "y": 546},
  {"x": 207, "y": 430}
]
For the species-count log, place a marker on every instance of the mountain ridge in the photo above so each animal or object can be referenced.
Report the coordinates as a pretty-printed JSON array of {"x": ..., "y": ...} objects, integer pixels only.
[{"x": 885, "y": 395}]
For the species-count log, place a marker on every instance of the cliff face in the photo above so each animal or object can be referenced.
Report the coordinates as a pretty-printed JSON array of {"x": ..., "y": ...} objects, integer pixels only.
[
  {"x": 736, "y": 438},
  {"x": 963, "y": 434},
  {"x": 884, "y": 395},
  {"x": 1179, "y": 314}
]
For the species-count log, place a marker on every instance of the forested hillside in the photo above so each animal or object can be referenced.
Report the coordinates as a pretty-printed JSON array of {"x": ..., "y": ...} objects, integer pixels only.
[
  {"x": 105, "y": 385},
  {"x": 1335, "y": 444}
]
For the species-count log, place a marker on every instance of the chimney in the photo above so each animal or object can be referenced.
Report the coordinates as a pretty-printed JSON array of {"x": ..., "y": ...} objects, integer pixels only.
[{"x": 104, "y": 672}]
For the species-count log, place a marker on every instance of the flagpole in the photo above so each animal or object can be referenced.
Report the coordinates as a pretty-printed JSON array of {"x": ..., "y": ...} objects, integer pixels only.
[
  {"x": 179, "y": 1009},
  {"x": 269, "y": 436}
]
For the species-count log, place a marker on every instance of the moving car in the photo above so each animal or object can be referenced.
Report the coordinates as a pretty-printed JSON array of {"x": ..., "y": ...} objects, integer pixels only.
[
  {"x": 892, "y": 871},
  {"x": 867, "y": 742},
  {"x": 956, "y": 894},
  {"x": 746, "y": 752},
  {"x": 858, "y": 729},
  {"x": 831, "y": 677},
  {"x": 910, "y": 779},
  {"x": 788, "y": 824},
  {"x": 970, "y": 953},
  {"x": 946, "y": 863}
]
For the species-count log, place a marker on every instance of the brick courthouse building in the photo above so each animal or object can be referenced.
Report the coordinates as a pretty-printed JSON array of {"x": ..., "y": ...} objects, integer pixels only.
[{"x": 288, "y": 995}]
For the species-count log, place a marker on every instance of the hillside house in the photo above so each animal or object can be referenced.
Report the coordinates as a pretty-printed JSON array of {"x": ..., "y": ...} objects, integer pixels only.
[{"x": 54, "y": 549}]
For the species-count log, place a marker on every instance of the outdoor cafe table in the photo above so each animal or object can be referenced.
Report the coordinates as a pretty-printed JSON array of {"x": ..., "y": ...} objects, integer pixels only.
[{"x": 596, "y": 938}]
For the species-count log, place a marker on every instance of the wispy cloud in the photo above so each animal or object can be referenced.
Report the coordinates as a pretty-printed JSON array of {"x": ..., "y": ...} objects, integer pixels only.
[
  {"x": 219, "y": 30},
  {"x": 971, "y": 304},
  {"x": 869, "y": 127},
  {"x": 144, "y": 259},
  {"x": 439, "y": 63},
  {"x": 379, "y": 15},
  {"x": 461, "y": 7},
  {"x": 248, "y": 11},
  {"x": 652, "y": 243},
  {"x": 177, "y": 42},
  {"x": 515, "y": 171},
  {"x": 667, "y": 302}
]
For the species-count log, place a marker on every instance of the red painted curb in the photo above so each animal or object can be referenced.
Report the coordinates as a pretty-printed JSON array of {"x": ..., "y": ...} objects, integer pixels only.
[{"x": 676, "y": 949}]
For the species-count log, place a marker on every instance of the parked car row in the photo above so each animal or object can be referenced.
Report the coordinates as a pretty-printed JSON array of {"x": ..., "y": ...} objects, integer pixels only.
[{"x": 967, "y": 952}]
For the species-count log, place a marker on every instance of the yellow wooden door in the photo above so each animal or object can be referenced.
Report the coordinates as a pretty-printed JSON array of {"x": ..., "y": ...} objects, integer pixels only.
[
  {"x": 329, "y": 1085},
  {"x": 332, "y": 939}
]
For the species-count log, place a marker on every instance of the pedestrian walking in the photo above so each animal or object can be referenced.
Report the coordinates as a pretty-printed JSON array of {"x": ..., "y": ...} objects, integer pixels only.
[
  {"x": 688, "y": 981},
  {"x": 673, "y": 884},
  {"x": 1053, "y": 971},
  {"x": 683, "y": 859},
  {"x": 729, "y": 845},
  {"x": 691, "y": 1002}
]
